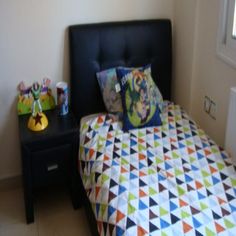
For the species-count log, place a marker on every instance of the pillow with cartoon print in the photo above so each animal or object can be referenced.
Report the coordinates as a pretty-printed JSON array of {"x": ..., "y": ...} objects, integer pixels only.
[
  {"x": 110, "y": 87},
  {"x": 140, "y": 98}
]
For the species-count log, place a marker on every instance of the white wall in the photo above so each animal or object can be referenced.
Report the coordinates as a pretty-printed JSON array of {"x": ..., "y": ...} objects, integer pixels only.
[
  {"x": 33, "y": 44},
  {"x": 199, "y": 71}
]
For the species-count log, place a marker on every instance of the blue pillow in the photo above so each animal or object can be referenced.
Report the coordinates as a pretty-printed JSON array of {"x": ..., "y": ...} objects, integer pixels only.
[{"x": 139, "y": 98}]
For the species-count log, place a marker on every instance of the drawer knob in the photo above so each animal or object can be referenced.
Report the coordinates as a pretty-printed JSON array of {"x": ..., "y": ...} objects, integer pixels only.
[{"x": 52, "y": 167}]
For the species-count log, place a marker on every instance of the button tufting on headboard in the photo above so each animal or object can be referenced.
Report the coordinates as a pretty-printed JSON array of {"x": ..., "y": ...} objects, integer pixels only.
[{"x": 95, "y": 47}]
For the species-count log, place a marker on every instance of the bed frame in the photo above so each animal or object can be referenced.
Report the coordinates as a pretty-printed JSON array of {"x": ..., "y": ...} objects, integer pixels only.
[{"x": 95, "y": 47}]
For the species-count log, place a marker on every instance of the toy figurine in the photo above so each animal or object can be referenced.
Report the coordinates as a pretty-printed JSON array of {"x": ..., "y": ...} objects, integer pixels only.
[
  {"x": 38, "y": 120},
  {"x": 36, "y": 90},
  {"x": 23, "y": 89},
  {"x": 45, "y": 85},
  {"x": 26, "y": 97}
]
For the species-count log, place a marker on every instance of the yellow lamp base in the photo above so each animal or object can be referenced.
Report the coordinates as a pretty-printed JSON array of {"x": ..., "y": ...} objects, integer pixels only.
[{"x": 38, "y": 122}]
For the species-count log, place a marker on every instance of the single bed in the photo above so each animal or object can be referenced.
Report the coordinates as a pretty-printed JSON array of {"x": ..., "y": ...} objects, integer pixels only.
[{"x": 165, "y": 180}]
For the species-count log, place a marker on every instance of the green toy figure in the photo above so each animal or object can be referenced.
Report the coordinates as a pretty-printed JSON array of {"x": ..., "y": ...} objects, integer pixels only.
[
  {"x": 26, "y": 97},
  {"x": 36, "y": 90},
  {"x": 38, "y": 120}
]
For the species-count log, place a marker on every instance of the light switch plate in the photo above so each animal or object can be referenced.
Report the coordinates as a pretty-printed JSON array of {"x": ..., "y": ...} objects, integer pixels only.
[
  {"x": 213, "y": 110},
  {"x": 207, "y": 104}
]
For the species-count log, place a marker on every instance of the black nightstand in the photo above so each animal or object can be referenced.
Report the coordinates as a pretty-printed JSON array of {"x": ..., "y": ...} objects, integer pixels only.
[{"x": 49, "y": 157}]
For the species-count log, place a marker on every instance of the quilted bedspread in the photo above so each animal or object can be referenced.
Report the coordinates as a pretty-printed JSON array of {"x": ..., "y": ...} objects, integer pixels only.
[{"x": 167, "y": 180}]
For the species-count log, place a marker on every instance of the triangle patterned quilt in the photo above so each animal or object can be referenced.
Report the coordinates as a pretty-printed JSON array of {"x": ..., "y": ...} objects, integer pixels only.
[{"x": 166, "y": 180}]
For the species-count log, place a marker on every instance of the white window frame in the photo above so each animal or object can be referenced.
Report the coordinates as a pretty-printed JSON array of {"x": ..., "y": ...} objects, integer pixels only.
[{"x": 226, "y": 43}]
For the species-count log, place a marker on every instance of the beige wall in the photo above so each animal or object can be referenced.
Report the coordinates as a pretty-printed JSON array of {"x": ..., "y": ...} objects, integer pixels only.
[
  {"x": 33, "y": 44},
  {"x": 198, "y": 69},
  {"x": 183, "y": 51},
  {"x": 212, "y": 77}
]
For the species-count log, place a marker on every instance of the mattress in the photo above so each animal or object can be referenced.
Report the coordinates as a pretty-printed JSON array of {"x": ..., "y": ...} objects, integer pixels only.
[{"x": 166, "y": 180}]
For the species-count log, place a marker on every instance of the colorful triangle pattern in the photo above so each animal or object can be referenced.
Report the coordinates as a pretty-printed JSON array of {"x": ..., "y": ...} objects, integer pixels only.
[{"x": 167, "y": 180}]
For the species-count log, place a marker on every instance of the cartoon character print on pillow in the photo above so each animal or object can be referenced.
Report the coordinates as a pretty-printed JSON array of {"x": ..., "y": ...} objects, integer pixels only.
[
  {"x": 108, "y": 83},
  {"x": 139, "y": 98}
]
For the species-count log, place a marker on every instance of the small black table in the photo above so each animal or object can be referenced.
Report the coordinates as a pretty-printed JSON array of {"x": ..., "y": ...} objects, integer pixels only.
[{"x": 49, "y": 157}]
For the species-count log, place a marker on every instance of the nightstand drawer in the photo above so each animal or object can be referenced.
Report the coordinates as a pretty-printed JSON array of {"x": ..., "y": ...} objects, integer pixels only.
[{"x": 51, "y": 165}]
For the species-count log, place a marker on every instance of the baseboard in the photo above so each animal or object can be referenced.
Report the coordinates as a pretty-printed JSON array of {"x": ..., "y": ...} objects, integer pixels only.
[{"x": 10, "y": 183}]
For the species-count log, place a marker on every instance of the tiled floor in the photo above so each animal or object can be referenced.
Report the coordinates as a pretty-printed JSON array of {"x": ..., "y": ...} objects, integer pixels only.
[{"x": 54, "y": 215}]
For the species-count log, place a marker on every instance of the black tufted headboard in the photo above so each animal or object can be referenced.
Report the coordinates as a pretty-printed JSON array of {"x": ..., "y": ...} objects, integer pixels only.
[{"x": 95, "y": 47}]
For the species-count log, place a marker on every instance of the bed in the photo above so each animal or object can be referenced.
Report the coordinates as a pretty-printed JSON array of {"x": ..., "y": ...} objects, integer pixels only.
[{"x": 164, "y": 180}]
